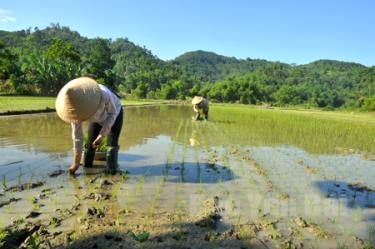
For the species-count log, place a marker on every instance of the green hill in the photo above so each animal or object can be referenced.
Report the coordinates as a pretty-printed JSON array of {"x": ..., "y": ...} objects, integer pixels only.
[
  {"x": 40, "y": 61},
  {"x": 210, "y": 67}
]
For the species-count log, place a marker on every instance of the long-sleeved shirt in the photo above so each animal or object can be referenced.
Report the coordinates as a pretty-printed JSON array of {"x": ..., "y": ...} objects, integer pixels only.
[
  {"x": 203, "y": 106},
  {"x": 106, "y": 114}
]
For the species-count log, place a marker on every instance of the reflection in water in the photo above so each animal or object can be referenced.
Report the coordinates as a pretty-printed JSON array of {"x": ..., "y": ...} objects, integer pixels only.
[{"x": 47, "y": 133}]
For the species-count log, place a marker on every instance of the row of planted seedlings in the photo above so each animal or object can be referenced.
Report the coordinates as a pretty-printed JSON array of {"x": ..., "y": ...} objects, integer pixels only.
[
  {"x": 265, "y": 224},
  {"x": 19, "y": 196},
  {"x": 180, "y": 203},
  {"x": 294, "y": 237},
  {"x": 296, "y": 223},
  {"x": 301, "y": 229},
  {"x": 204, "y": 203},
  {"x": 207, "y": 203},
  {"x": 49, "y": 202},
  {"x": 149, "y": 217},
  {"x": 234, "y": 195},
  {"x": 235, "y": 204},
  {"x": 343, "y": 233},
  {"x": 226, "y": 193}
]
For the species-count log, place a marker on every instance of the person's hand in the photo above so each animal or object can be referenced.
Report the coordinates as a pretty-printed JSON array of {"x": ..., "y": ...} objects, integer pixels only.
[
  {"x": 196, "y": 107},
  {"x": 97, "y": 141},
  {"x": 75, "y": 164},
  {"x": 73, "y": 168}
]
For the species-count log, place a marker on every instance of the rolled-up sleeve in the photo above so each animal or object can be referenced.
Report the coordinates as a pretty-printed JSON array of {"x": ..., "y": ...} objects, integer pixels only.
[
  {"x": 77, "y": 136},
  {"x": 195, "y": 108},
  {"x": 110, "y": 107}
]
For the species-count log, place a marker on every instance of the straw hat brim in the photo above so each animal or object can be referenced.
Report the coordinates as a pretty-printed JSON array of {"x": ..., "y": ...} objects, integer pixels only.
[
  {"x": 78, "y": 100},
  {"x": 196, "y": 100}
]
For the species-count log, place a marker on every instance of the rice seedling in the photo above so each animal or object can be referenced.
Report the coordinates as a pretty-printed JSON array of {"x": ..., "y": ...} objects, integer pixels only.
[
  {"x": 115, "y": 190},
  {"x": 140, "y": 182},
  {"x": 151, "y": 209},
  {"x": 322, "y": 132},
  {"x": 34, "y": 241},
  {"x": 333, "y": 220},
  {"x": 184, "y": 150},
  {"x": 124, "y": 177},
  {"x": 127, "y": 201},
  {"x": 3, "y": 232},
  {"x": 55, "y": 222},
  {"x": 369, "y": 245},
  {"x": 198, "y": 167},
  {"x": 140, "y": 237},
  {"x": 357, "y": 215},
  {"x": 70, "y": 238},
  {"x": 231, "y": 205},
  {"x": 117, "y": 225},
  {"x": 66, "y": 192},
  {"x": 49, "y": 245},
  {"x": 19, "y": 176},
  {"x": 4, "y": 182},
  {"x": 32, "y": 202},
  {"x": 347, "y": 231}
]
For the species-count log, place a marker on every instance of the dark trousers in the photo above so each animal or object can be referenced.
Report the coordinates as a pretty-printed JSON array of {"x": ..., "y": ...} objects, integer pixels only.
[
  {"x": 112, "y": 138},
  {"x": 198, "y": 115}
]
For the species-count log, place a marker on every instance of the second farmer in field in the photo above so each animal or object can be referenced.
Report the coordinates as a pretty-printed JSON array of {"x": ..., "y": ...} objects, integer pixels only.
[
  {"x": 200, "y": 106},
  {"x": 83, "y": 99}
]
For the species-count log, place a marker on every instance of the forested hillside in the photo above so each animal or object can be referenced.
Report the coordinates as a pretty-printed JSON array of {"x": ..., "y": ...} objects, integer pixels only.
[{"x": 40, "y": 62}]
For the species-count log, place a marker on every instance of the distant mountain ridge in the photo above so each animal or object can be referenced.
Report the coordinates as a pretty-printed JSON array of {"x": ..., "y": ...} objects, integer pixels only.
[{"x": 31, "y": 59}]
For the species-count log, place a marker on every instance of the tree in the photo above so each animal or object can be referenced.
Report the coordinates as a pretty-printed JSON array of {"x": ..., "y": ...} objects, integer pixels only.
[
  {"x": 8, "y": 62},
  {"x": 98, "y": 62},
  {"x": 62, "y": 50},
  {"x": 287, "y": 95},
  {"x": 167, "y": 92},
  {"x": 369, "y": 104}
]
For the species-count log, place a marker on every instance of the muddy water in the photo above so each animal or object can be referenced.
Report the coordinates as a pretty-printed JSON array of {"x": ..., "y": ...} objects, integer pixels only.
[{"x": 258, "y": 170}]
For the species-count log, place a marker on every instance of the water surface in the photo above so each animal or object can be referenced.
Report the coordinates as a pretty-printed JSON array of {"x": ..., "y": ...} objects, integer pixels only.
[{"x": 309, "y": 162}]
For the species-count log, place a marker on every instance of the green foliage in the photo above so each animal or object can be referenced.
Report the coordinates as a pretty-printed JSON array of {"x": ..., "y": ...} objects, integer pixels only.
[
  {"x": 369, "y": 104},
  {"x": 103, "y": 146},
  {"x": 40, "y": 62},
  {"x": 34, "y": 242},
  {"x": 44, "y": 74},
  {"x": 167, "y": 92},
  {"x": 8, "y": 60},
  {"x": 3, "y": 233},
  {"x": 4, "y": 182},
  {"x": 98, "y": 61},
  {"x": 60, "y": 49},
  {"x": 141, "y": 237},
  {"x": 287, "y": 94}
]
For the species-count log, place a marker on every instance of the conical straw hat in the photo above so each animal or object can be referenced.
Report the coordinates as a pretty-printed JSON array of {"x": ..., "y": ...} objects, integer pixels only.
[
  {"x": 78, "y": 100},
  {"x": 196, "y": 100}
]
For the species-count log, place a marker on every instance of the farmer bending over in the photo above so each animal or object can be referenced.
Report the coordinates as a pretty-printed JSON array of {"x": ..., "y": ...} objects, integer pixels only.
[
  {"x": 83, "y": 99},
  {"x": 200, "y": 107}
]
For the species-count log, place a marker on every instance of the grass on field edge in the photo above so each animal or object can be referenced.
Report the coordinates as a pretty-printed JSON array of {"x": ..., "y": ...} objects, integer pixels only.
[{"x": 14, "y": 105}]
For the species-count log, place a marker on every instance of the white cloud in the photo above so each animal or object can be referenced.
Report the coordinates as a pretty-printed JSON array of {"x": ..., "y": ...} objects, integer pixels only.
[{"x": 6, "y": 16}]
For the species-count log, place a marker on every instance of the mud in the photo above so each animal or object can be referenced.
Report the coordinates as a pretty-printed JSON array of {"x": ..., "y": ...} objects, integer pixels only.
[
  {"x": 25, "y": 186},
  {"x": 7, "y": 202},
  {"x": 360, "y": 188},
  {"x": 9, "y": 113}
]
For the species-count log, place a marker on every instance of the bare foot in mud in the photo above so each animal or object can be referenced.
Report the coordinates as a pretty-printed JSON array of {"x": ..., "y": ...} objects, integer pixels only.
[{"x": 73, "y": 169}]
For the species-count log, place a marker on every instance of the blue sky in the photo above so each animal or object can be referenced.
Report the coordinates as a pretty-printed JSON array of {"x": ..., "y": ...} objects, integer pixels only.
[{"x": 292, "y": 31}]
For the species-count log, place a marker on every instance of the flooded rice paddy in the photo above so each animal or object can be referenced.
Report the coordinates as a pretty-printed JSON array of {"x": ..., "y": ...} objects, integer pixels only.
[{"x": 248, "y": 178}]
